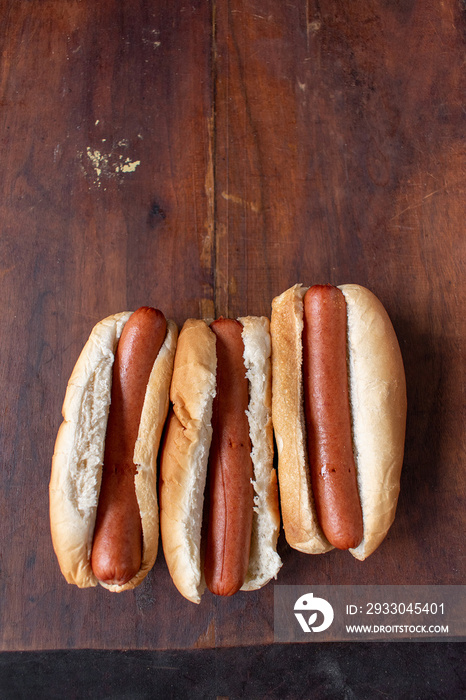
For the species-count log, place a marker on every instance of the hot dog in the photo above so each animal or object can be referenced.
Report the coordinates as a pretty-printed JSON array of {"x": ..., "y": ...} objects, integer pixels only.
[
  {"x": 207, "y": 368},
  {"x": 230, "y": 470},
  {"x": 103, "y": 490},
  {"x": 117, "y": 544},
  {"x": 328, "y": 419},
  {"x": 320, "y": 408}
]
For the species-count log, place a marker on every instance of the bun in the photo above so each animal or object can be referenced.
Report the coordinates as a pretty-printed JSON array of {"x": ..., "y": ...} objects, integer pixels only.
[
  {"x": 185, "y": 456},
  {"x": 79, "y": 451},
  {"x": 302, "y": 529},
  {"x": 264, "y": 562},
  {"x": 185, "y": 453},
  {"x": 378, "y": 406}
]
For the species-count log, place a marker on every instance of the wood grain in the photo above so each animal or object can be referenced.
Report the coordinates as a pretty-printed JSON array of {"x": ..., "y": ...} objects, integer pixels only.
[{"x": 202, "y": 158}]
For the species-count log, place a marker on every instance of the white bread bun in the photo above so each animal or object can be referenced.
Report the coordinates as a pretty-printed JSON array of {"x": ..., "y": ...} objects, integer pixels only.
[
  {"x": 378, "y": 407},
  {"x": 264, "y": 561},
  {"x": 185, "y": 456},
  {"x": 79, "y": 452}
]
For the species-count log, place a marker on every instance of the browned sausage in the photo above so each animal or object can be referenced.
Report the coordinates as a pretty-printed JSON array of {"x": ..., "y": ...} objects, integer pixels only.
[
  {"x": 117, "y": 547},
  {"x": 230, "y": 467},
  {"x": 328, "y": 418}
]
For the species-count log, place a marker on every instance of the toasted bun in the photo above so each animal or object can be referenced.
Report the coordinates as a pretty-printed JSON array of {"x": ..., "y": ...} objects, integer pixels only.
[
  {"x": 185, "y": 456},
  {"x": 185, "y": 452},
  {"x": 79, "y": 452},
  {"x": 378, "y": 405},
  {"x": 302, "y": 529}
]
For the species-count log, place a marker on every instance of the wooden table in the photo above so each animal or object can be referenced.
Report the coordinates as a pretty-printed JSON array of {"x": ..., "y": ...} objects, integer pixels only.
[{"x": 202, "y": 157}]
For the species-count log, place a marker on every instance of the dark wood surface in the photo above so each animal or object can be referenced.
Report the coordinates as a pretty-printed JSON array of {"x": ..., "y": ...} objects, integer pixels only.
[
  {"x": 202, "y": 157},
  {"x": 275, "y": 672}
]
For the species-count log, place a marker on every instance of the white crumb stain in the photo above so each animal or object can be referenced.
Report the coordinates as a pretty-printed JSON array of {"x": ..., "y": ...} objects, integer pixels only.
[
  {"x": 128, "y": 166},
  {"x": 102, "y": 165},
  {"x": 98, "y": 160}
]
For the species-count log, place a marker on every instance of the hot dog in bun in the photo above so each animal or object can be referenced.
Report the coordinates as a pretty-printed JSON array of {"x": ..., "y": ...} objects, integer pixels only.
[
  {"x": 103, "y": 486},
  {"x": 219, "y": 441},
  {"x": 339, "y": 415}
]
